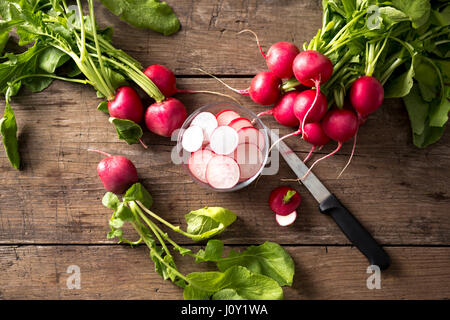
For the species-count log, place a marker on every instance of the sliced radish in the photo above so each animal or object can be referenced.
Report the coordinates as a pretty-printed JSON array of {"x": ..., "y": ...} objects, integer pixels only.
[
  {"x": 207, "y": 121},
  {"x": 222, "y": 172},
  {"x": 226, "y": 116},
  {"x": 224, "y": 140},
  {"x": 286, "y": 220},
  {"x": 239, "y": 123},
  {"x": 249, "y": 158},
  {"x": 192, "y": 139},
  {"x": 198, "y": 163},
  {"x": 253, "y": 136}
]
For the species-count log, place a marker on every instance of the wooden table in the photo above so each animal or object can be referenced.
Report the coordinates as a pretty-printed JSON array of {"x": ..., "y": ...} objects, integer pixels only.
[{"x": 51, "y": 215}]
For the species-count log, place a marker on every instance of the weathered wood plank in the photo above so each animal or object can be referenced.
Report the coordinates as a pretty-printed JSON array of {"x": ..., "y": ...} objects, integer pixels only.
[
  {"x": 208, "y": 36},
  {"x": 399, "y": 192},
  {"x": 119, "y": 272}
]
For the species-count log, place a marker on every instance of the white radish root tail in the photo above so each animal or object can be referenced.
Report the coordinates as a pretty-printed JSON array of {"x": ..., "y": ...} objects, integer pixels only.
[
  {"x": 309, "y": 154},
  {"x": 284, "y": 137},
  {"x": 351, "y": 155},
  {"x": 257, "y": 40},
  {"x": 101, "y": 152},
  {"x": 318, "y": 160},
  {"x": 317, "y": 82},
  {"x": 243, "y": 92},
  {"x": 210, "y": 92}
]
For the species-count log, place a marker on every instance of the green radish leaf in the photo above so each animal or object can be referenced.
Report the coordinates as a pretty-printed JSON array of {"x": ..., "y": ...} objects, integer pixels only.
[
  {"x": 429, "y": 136},
  {"x": 427, "y": 78},
  {"x": 127, "y": 130},
  {"x": 151, "y": 14},
  {"x": 209, "y": 221},
  {"x": 103, "y": 106},
  {"x": 137, "y": 192},
  {"x": 440, "y": 108},
  {"x": 269, "y": 259},
  {"x": 4, "y": 37},
  {"x": 237, "y": 281},
  {"x": 110, "y": 200},
  {"x": 51, "y": 58},
  {"x": 8, "y": 129},
  {"x": 418, "y": 11},
  {"x": 401, "y": 85},
  {"x": 417, "y": 110},
  {"x": 123, "y": 212}
]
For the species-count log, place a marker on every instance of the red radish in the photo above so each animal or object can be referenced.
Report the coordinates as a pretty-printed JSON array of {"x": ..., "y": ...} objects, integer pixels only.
[
  {"x": 224, "y": 140},
  {"x": 315, "y": 135},
  {"x": 165, "y": 117},
  {"x": 163, "y": 78},
  {"x": 284, "y": 200},
  {"x": 249, "y": 158},
  {"x": 239, "y": 123},
  {"x": 283, "y": 111},
  {"x": 309, "y": 106},
  {"x": 207, "y": 121},
  {"x": 222, "y": 172},
  {"x": 279, "y": 58},
  {"x": 198, "y": 162},
  {"x": 192, "y": 139},
  {"x": 312, "y": 68},
  {"x": 126, "y": 105},
  {"x": 285, "y": 221},
  {"x": 340, "y": 125},
  {"x": 265, "y": 88},
  {"x": 117, "y": 173},
  {"x": 224, "y": 117},
  {"x": 253, "y": 136},
  {"x": 366, "y": 95}
]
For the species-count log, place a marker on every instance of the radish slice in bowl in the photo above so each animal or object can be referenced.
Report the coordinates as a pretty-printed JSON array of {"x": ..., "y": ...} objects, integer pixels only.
[
  {"x": 192, "y": 139},
  {"x": 239, "y": 123},
  {"x": 249, "y": 158},
  {"x": 253, "y": 136},
  {"x": 222, "y": 172},
  {"x": 207, "y": 121},
  {"x": 224, "y": 140},
  {"x": 226, "y": 116},
  {"x": 198, "y": 162},
  {"x": 285, "y": 221}
]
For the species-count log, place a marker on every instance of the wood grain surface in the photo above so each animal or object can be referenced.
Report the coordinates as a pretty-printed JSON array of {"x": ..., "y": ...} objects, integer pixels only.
[{"x": 51, "y": 214}]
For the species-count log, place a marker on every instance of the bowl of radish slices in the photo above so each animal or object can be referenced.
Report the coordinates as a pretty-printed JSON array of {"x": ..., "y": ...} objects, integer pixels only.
[{"x": 224, "y": 146}]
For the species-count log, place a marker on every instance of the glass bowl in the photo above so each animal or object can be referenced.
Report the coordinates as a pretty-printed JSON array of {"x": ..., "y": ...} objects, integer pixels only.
[{"x": 215, "y": 108}]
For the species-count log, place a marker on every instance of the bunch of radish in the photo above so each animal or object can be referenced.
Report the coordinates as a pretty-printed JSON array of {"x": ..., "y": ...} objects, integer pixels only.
[
  {"x": 309, "y": 110},
  {"x": 225, "y": 148}
]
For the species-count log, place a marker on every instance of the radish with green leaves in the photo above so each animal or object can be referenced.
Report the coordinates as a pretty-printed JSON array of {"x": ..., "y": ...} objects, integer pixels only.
[
  {"x": 283, "y": 110},
  {"x": 366, "y": 95},
  {"x": 164, "y": 117}
]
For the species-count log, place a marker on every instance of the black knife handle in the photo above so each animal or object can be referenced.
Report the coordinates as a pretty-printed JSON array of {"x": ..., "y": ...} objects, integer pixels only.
[{"x": 355, "y": 232}]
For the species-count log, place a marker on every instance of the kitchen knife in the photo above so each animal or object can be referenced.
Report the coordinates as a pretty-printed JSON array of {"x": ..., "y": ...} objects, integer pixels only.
[{"x": 330, "y": 205}]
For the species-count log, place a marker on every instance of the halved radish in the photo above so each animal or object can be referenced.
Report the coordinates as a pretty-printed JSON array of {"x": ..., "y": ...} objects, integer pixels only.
[
  {"x": 252, "y": 135},
  {"x": 226, "y": 116},
  {"x": 283, "y": 200},
  {"x": 198, "y": 162},
  {"x": 222, "y": 172},
  {"x": 207, "y": 121},
  {"x": 286, "y": 220},
  {"x": 239, "y": 123},
  {"x": 249, "y": 158},
  {"x": 224, "y": 140},
  {"x": 192, "y": 139}
]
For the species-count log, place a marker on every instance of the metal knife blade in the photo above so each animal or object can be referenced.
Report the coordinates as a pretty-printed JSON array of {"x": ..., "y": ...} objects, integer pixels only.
[{"x": 311, "y": 182}]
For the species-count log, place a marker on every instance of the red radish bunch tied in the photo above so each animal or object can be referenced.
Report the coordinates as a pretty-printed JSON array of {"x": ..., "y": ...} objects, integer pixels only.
[{"x": 225, "y": 148}]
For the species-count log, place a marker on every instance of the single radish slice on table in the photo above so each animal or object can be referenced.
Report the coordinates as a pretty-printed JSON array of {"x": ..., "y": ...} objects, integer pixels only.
[
  {"x": 198, "y": 163},
  {"x": 253, "y": 136},
  {"x": 285, "y": 221},
  {"x": 239, "y": 123},
  {"x": 249, "y": 158},
  {"x": 284, "y": 200},
  {"x": 222, "y": 172},
  {"x": 224, "y": 140},
  {"x": 207, "y": 121},
  {"x": 226, "y": 116},
  {"x": 192, "y": 138}
]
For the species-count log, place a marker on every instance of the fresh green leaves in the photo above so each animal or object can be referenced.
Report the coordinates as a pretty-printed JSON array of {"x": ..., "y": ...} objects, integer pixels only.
[
  {"x": 257, "y": 273},
  {"x": 207, "y": 222},
  {"x": 8, "y": 129},
  {"x": 127, "y": 130},
  {"x": 236, "y": 283},
  {"x": 418, "y": 11},
  {"x": 151, "y": 14},
  {"x": 268, "y": 259}
]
